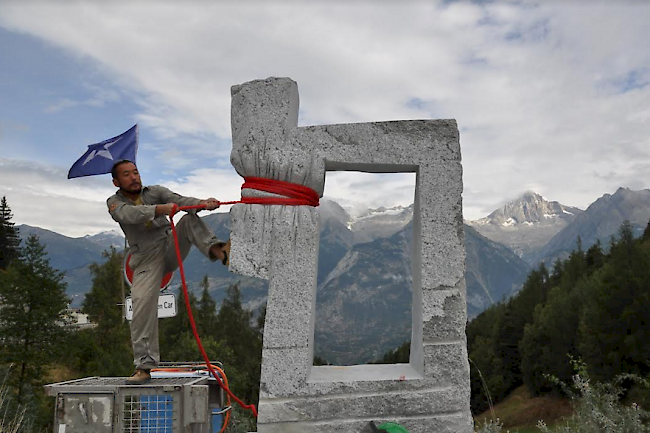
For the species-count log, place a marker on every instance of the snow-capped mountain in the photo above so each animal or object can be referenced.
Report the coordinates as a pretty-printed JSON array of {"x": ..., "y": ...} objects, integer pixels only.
[
  {"x": 529, "y": 209},
  {"x": 380, "y": 223},
  {"x": 602, "y": 220},
  {"x": 110, "y": 238},
  {"x": 526, "y": 223}
]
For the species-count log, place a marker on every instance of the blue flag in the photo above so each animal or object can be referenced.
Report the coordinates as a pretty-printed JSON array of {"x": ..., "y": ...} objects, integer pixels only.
[{"x": 100, "y": 157}]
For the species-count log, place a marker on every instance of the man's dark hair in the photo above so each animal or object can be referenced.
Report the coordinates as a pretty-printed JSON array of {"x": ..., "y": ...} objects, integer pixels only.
[{"x": 117, "y": 164}]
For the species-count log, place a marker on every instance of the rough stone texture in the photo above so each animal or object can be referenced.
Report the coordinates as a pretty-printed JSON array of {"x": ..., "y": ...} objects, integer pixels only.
[
  {"x": 453, "y": 422},
  {"x": 280, "y": 243}
]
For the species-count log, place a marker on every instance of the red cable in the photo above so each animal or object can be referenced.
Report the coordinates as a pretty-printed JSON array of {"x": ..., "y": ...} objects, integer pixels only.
[
  {"x": 296, "y": 195},
  {"x": 191, "y": 316}
]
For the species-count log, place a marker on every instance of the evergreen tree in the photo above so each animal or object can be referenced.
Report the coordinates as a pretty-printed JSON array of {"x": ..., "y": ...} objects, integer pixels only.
[
  {"x": 318, "y": 361},
  {"x": 174, "y": 329},
  {"x": 400, "y": 355},
  {"x": 614, "y": 325},
  {"x": 549, "y": 339},
  {"x": 103, "y": 302},
  {"x": 9, "y": 239},
  {"x": 106, "y": 349},
  {"x": 234, "y": 325},
  {"x": 593, "y": 306},
  {"x": 33, "y": 311},
  {"x": 494, "y": 339},
  {"x": 261, "y": 319},
  {"x": 646, "y": 233},
  {"x": 206, "y": 311},
  {"x": 519, "y": 313},
  {"x": 485, "y": 363},
  {"x": 595, "y": 257}
]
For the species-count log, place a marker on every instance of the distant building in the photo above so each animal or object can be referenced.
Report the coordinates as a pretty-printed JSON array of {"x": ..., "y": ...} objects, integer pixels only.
[{"x": 78, "y": 319}]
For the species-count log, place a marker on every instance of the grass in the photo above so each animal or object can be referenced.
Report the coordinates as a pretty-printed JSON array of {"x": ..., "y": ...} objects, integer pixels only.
[
  {"x": 59, "y": 373},
  {"x": 11, "y": 421},
  {"x": 595, "y": 408},
  {"x": 520, "y": 412}
]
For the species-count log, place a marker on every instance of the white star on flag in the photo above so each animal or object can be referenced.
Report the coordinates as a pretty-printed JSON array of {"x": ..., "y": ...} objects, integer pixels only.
[
  {"x": 103, "y": 153},
  {"x": 122, "y": 147}
]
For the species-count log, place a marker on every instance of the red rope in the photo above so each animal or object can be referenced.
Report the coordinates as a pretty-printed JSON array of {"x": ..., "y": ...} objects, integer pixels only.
[
  {"x": 179, "y": 257},
  {"x": 295, "y": 195}
]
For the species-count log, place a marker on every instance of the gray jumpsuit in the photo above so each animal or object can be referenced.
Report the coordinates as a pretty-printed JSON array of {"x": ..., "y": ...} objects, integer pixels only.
[{"x": 151, "y": 245}]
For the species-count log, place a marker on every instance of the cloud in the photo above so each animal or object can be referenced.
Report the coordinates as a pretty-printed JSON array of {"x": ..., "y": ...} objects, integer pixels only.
[
  {"x": 100, "y": 98},
  {"x": 357, "y": 191},
  {"x": 222, "y": 184},
  {"x": 40, "y": 195},
  {"x": 543, "y": 96}
]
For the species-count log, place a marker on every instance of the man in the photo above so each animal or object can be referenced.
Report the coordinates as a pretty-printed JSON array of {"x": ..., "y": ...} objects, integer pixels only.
[{"x": 142, "y": 215}]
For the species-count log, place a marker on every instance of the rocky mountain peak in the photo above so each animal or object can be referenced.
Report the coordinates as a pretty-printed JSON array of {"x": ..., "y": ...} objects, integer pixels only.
[
  {"x": 602, "y": 220},
  {"x": 331, "y": 210},
  {"x": 624, "y": 197},
  {"x": 526, "y": 223},
  {"x": 530, "y": 208}
]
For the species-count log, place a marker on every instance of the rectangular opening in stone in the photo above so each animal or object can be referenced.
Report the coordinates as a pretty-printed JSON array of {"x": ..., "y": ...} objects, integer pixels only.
[{"x": 364, "y": 298}]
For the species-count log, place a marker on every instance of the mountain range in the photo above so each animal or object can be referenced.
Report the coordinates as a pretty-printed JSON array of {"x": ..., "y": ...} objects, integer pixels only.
[
  {"x": 526, "y": 224},
  {"x": 363, "y": 300},
  {"x": 538, "y": 230}
]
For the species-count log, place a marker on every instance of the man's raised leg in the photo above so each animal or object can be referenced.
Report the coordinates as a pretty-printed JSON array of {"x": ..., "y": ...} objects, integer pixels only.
[{"x": 191, "y": 230}]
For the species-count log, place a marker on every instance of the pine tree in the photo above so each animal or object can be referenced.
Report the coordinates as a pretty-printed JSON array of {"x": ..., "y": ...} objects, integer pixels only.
[
  {"x": 261, "y": 320},
  {"x": 613, "y": 327},
  {"x": 9, "y": 239},
  {"x": 34, "y": 304},
  {"x": 106, "y": 349},
  {"x": 234, "y": 324},
  {"x": 102, "y": 302},
  {"x": 550, "y": 338},
  {"x": 646, "y": 233},
  {"x": 206, "y": 311},
  {"x": 173, "y": 329},
  {"x": 595, "y": 257}
]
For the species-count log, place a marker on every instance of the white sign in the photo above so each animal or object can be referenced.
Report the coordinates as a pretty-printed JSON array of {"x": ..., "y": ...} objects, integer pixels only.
[{"x": 166, "y": 306}]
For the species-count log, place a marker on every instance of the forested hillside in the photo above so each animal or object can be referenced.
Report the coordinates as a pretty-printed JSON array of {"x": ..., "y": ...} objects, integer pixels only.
[{"x": 593, "y": 305}]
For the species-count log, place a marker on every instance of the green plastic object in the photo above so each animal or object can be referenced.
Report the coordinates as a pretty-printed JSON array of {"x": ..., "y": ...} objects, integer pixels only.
[{"x": 391, "y": 427}]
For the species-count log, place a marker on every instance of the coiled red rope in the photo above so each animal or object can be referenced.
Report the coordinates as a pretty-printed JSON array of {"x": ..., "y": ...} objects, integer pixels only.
[{"x": 295, "y": 195}]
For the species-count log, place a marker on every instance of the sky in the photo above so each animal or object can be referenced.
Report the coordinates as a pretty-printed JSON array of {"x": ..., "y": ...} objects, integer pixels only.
[{"x": 550, "y": 96}]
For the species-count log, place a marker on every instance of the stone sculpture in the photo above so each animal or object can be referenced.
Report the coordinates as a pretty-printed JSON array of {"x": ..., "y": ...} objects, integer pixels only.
[{"x": 280, "y": 243}]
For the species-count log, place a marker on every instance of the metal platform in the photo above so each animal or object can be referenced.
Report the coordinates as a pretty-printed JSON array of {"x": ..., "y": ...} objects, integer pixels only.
[
  {"x": 176, "y": 402},
  {"x": 112, "y": 384}
]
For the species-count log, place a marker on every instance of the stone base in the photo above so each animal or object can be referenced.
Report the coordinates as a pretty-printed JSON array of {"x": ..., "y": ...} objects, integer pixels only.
[{"x": 444, "y": 423}]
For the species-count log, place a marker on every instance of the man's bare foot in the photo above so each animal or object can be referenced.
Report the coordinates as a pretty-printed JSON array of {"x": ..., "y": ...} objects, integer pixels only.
[
  {"x": 216, "y": 251},
  {"x": 221, "y": 252}
]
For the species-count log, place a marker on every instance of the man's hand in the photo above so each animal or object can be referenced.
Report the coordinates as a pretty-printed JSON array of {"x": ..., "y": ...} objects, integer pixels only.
[
  {"x": 164, "y": 209},
  {"x": 210, "y": 203}
]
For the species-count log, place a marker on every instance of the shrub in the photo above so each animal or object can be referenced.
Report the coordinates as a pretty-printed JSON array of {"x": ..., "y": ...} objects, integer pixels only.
[
  {"x": 493, "y": 426},
  {"x": 11, "y": 421},
  {"x": 598, "y": 408}
]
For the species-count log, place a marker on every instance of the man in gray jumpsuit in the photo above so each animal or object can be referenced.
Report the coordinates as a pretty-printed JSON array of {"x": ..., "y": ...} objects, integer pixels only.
[{"x": 142, "y": 215}]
